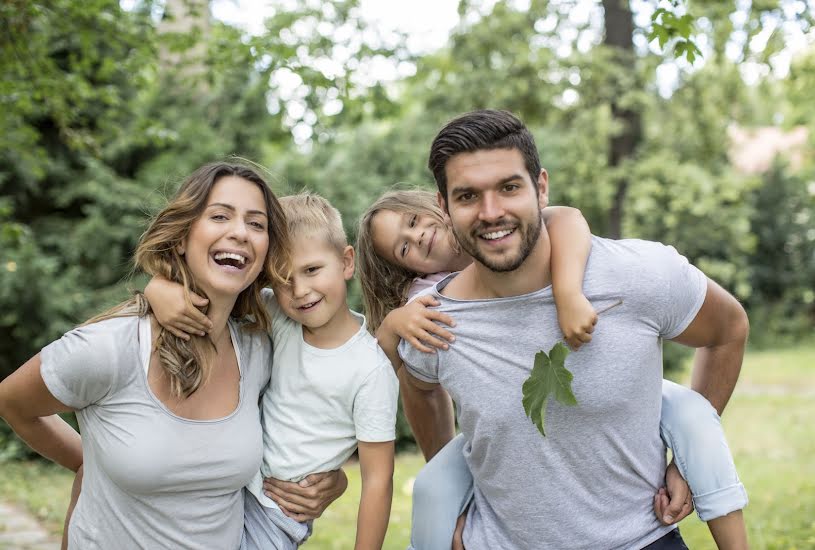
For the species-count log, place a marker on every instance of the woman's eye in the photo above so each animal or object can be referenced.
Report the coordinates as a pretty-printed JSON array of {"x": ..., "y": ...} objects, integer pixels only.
[
  {"x": 258, "y": 225},
  {"x": 218, "y": 217}
]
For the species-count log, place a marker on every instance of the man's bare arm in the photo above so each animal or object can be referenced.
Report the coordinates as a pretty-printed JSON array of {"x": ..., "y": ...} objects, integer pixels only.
[
  {"x": 429, "y": 411},
  {"x": 719, "y": 332}
]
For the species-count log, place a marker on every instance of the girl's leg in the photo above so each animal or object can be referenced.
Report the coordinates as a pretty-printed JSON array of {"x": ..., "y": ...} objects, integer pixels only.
[
  {"x": 692, "y": 429},
  {"x": 441, "y": 492}
]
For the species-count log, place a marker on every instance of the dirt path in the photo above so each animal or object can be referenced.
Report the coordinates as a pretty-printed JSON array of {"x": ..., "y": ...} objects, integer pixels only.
[{"x": 20, "y": 531}]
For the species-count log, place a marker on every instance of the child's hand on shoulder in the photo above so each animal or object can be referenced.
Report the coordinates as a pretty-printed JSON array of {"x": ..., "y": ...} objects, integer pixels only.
[
  {"x": 414, "y": 323},
  {"x": 172, "y": 311},
  {"x": 576, "y": 318}
]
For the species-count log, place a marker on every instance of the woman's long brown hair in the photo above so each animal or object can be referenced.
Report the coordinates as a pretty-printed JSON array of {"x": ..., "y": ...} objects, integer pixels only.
[{"x": 188, "y": 363}]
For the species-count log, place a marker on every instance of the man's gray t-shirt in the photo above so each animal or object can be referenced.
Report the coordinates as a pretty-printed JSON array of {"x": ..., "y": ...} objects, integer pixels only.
[
  {"x": 591, "y": 481},
  {"x": 153, "y": 479}
]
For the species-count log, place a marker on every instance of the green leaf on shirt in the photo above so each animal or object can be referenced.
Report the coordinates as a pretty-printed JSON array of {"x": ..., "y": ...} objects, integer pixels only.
[{"x": 549, "y": 376}]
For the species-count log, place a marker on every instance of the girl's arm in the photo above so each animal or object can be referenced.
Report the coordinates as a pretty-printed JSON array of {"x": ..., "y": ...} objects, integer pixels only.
[
  {"x": 31, "y": 410},
  {"x": 172, "y": 310},
  {"x": 413, "y": 323},
  {"x": 376, "y": 467},
  {"x": 571, "y": 243}
]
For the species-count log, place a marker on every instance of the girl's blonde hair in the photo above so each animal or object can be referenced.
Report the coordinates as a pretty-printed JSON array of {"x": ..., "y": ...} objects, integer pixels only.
[
  {"x": 385, "y": 285},
  {"x": 188, "y": 363}
]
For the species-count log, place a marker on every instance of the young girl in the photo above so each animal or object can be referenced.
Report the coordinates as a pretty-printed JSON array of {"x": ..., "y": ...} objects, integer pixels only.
[{"x": 404, "y": 246}]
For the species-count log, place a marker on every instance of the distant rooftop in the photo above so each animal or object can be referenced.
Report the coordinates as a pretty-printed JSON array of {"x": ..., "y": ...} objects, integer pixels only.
[{"x": 753, "y": 150}]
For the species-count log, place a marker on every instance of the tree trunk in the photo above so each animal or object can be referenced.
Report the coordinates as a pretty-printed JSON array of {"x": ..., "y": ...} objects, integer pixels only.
[{"x": 619, "y": 27}]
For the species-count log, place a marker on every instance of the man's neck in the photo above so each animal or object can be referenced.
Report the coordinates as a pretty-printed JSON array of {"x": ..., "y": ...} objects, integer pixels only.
[{"x": 479, "y": 282}]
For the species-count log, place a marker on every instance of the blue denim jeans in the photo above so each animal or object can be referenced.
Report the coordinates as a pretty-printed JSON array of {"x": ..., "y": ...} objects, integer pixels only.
[{"x": 690, "y": 427}]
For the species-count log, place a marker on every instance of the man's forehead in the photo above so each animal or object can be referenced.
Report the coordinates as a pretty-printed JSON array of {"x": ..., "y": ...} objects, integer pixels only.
[{"x": 484, "y": 166}]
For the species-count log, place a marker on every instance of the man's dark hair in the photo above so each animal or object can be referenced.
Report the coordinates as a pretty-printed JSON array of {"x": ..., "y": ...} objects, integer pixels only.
[{"x": 482, "y": 130}]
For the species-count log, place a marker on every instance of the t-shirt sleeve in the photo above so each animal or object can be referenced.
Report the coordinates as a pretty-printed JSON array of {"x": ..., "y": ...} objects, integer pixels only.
[
  {"x": 80, "y": 369},
  {"x": 677, "y": 293},
  {"x": 424, "y": 366},
  {"x": 375, "y": 404},
  {"x": 275, "y": 313}
]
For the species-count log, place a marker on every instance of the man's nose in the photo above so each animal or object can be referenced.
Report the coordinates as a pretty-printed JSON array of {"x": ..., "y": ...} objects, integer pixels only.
[{"x": 491, "y": 208}]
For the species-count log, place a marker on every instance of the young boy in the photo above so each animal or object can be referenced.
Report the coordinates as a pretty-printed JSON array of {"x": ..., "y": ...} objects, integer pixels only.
[{"x": 332, "y": 389}]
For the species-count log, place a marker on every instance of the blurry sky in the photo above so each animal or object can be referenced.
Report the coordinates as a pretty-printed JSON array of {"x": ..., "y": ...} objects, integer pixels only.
[{"x": 429, "y": 22}]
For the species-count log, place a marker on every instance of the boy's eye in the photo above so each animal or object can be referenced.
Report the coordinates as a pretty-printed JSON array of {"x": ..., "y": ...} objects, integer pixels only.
[{"x": 312, "y": 269}]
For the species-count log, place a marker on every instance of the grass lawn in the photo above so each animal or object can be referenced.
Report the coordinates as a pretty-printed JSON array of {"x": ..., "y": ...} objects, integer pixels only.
[{"x": 769, "y": 423}]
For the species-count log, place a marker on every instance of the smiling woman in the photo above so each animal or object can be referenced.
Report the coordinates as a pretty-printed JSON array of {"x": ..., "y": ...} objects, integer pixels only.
[{"x": 168, "y": 425}]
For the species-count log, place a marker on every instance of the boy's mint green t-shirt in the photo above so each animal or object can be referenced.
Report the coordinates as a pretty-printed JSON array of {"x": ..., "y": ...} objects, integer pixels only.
[{"x": 321, "y": 402}]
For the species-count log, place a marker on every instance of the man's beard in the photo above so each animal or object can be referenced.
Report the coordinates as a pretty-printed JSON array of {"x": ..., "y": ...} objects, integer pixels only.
[{"x": 529, "y": 236}]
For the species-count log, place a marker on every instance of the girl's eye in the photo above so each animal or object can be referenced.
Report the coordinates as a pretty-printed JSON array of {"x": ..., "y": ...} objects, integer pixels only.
[
  {"x": 412, "y": 222},
  {"x": 404, "y": 249}
]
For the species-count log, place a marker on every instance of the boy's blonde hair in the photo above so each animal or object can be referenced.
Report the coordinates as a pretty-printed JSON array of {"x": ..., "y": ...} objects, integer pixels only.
[
  {"x": 385, "y": 285},
  {"x": 310, "y": 214}
]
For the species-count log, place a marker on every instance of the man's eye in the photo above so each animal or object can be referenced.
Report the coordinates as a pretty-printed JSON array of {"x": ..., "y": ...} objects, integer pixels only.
[
  {"x": 466, "y": 196},
  {"x": 511, "y": 187}
]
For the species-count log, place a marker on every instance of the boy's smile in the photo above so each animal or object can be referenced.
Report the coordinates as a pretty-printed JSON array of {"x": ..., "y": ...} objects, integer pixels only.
[{"x": 316, "y": 294}]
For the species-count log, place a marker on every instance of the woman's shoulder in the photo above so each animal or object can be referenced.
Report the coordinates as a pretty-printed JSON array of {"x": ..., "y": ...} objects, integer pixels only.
[{"x": 255, "y": 349}]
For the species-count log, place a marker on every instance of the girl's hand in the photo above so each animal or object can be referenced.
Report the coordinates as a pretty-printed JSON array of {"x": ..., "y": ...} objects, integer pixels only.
[
  {"x": 308, "y": 498},
  {"x": 413, "y": 323},
  {"x": 577, "y": 318},
  {"x": 172, "y": 311}
]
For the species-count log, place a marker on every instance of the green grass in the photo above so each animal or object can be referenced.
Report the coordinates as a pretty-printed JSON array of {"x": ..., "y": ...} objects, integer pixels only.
[{"x": 769, "y": 423}]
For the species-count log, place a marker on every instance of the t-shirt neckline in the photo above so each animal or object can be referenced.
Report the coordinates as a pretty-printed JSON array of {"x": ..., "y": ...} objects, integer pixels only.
[{"x": 145, "y": 349}]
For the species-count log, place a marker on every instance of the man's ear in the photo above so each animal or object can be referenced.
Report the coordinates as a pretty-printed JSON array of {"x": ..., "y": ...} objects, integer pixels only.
[
  {"x": 443, "y": 205},
  {"x": 543, "y": 189},
  {"x": 348, "y": 257}
]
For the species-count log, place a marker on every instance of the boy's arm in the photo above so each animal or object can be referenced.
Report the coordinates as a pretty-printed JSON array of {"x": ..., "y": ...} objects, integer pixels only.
[
  {"x": 376, "y": 467},
  {"x": 173, "y": 311},
  {"x": 571, "y": 243}
]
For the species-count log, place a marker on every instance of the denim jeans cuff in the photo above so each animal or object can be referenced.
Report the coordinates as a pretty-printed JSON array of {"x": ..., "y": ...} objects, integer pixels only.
[{"x": 720, "y": 502}]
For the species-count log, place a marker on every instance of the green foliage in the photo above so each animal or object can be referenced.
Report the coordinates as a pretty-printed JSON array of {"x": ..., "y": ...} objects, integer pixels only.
[
  {"x": 97, "y": 126},
  {"x": 667, "y": 25},
  {"x": 549, "y": 377}
]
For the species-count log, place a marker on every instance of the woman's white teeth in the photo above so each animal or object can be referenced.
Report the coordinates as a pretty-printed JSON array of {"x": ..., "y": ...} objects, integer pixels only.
[
  {"x": 496, "y": 234},
  {"x": 230, "y": 256}
]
